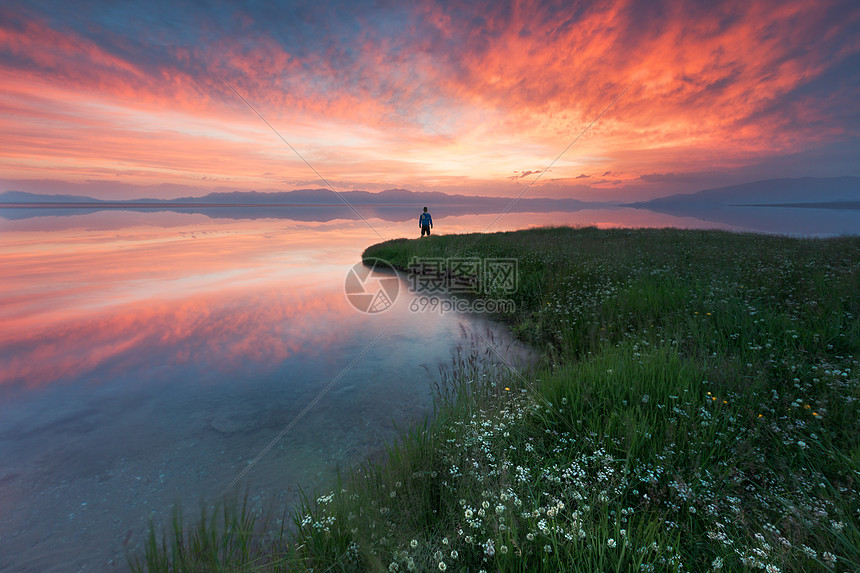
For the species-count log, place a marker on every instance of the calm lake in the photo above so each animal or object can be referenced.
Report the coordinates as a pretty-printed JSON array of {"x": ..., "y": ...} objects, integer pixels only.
[{"x": 151, "y": 357}]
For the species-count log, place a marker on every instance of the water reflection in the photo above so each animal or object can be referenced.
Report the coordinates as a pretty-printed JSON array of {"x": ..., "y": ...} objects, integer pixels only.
[
  {"x": 391, "y": 221},
  {"x": 805, "y": 221},
  {"x": 146, "y": 363},
  {"x": 149, "y": 357}
]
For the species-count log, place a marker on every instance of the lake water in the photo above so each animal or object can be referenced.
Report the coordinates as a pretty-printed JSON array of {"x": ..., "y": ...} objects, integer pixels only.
[{"x": 151, "y": 357}]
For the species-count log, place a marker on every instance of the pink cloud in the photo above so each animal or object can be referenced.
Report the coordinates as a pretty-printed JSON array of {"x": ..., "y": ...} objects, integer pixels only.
[{"x": 443, "y": 97}]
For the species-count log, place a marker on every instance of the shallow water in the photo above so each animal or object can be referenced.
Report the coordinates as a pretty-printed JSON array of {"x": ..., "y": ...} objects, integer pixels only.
[{"x": 149, "y": 358}]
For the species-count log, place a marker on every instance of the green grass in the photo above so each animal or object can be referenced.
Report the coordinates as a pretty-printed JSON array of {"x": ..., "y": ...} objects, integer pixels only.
[{"x": 697, "y": 409}]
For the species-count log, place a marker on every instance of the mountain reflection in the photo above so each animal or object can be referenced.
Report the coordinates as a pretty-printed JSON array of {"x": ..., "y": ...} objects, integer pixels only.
[{"x": 303, "y": 213}]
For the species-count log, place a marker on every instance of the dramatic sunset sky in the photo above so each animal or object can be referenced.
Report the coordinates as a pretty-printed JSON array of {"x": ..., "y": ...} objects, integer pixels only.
[{"x": 131, "y": 99}]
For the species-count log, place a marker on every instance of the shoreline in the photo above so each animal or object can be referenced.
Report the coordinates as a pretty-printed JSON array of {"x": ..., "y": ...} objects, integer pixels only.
[{"x": 667, "y": 393}]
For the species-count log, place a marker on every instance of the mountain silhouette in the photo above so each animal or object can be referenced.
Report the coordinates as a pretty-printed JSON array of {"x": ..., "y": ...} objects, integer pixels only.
[{"x": 800, "y": 191}]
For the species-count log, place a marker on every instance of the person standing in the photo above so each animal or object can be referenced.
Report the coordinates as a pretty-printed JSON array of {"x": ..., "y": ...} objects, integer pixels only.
[{"x": 425, "y": 221}]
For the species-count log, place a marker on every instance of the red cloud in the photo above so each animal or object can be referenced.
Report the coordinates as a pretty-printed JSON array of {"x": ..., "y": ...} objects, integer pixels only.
[{"x": 456, "y": 91}]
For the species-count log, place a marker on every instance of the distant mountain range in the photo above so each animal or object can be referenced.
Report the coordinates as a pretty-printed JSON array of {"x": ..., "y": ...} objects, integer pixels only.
[
  {"x": 721, "y": 205},
  {"x": 301, "y": 205},
  {"x": 313, "y": 197},
  {"x": 801, "y": 192},
  {"x": 773, "y": 205}
]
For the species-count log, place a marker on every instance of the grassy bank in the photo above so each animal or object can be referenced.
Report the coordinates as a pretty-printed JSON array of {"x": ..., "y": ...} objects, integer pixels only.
[{"x": 698, "y": 409}]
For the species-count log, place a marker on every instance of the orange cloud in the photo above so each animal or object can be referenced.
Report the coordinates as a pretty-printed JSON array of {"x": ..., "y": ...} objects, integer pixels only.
[
  {"x": 700, "y": 79},
  {"x": 427, "y": 93}
]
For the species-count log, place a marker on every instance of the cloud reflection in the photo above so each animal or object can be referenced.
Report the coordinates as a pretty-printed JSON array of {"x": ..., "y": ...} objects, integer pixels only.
[
  {"x": 224, "y": 333},
  {"x": 94, "y": 305}
]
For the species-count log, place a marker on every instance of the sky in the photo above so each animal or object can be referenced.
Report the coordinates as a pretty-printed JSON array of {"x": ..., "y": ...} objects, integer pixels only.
[{"x": 609, "y": 100}]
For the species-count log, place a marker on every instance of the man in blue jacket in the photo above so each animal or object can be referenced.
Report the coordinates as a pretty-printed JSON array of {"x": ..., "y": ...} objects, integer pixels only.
[{"x": 425, "y": 221}]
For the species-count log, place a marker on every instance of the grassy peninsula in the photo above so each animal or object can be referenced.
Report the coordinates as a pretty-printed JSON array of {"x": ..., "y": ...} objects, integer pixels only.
[{"x": 697, "y": 408}]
